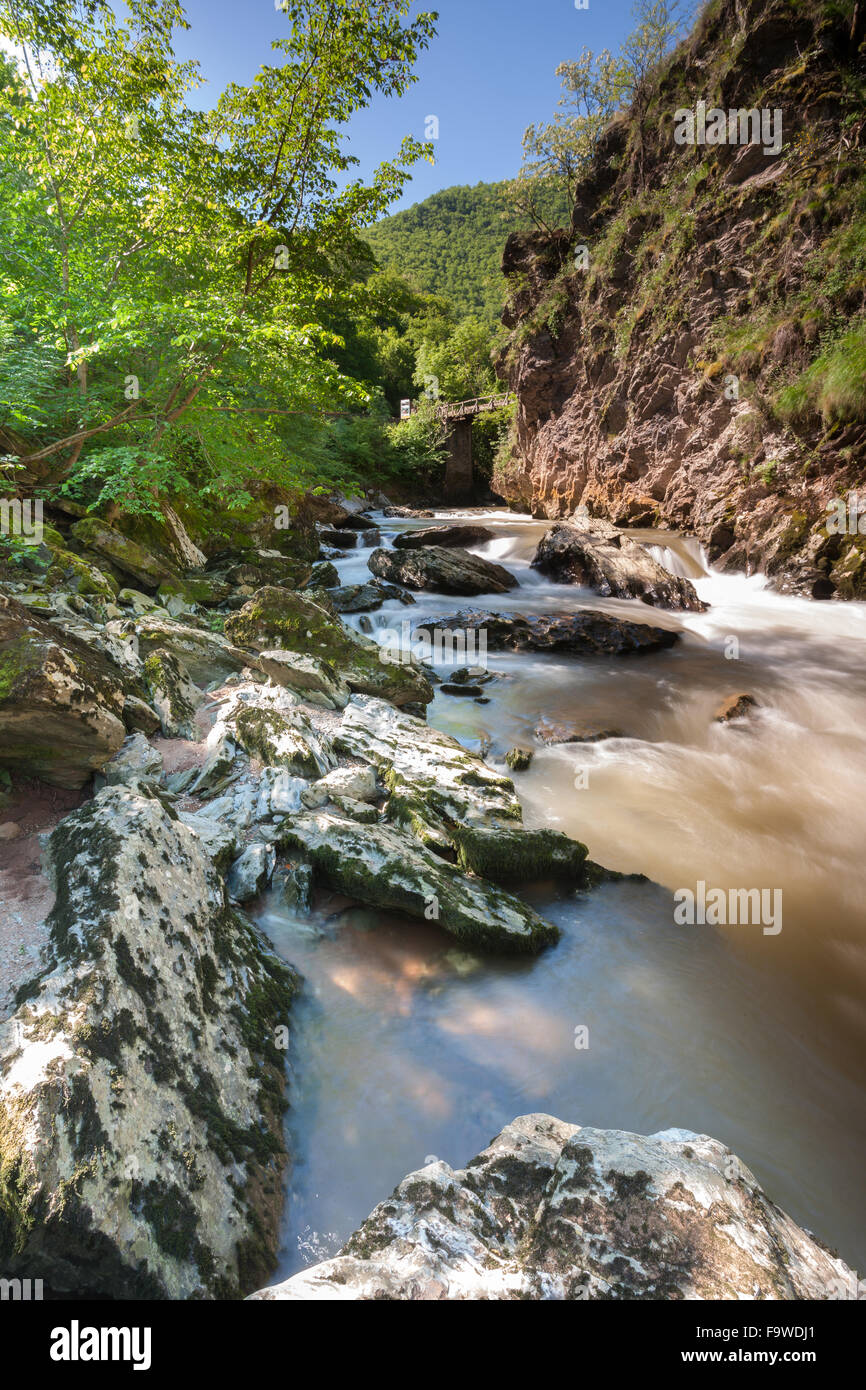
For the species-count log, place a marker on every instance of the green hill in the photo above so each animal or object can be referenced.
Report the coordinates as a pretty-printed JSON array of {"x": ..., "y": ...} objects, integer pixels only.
[{"x": 451, "y": 244}]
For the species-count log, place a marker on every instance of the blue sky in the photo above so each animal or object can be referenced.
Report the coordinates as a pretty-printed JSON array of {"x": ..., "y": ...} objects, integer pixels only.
[{"x": 488, "y": 74}]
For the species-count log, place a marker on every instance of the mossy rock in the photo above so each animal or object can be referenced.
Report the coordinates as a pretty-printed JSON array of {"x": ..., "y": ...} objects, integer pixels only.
[
  {"x": 377, "y": 865},
  {"x": 123, "y": 553},
  {"x": 291, "y": 621},
  {"x": 520, "y": 856},
  {"x": 278, "y": 742},
  {"x": 61, "y": 701}
]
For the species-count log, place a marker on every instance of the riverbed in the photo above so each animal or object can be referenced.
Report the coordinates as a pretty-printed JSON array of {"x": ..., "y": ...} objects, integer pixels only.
[{"x": 406, "y": 1046}]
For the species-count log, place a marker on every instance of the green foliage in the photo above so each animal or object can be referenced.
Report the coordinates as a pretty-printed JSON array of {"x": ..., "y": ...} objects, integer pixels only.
[
  {"x": 451, "y": 243},
  {"x": 834, "y": 386},
  {"x": 175, "y": 280}
]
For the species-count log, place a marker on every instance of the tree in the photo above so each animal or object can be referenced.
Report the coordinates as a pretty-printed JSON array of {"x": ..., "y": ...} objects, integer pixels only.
[
  {"x": 459, "y": 365},
  {"x": 558, "y": 155},
  {"x": 658, "y": 23},
  {"x": 168, "y": 266}
]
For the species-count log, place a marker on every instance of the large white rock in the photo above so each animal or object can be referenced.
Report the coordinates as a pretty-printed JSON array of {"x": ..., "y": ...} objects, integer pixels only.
[
  {"x": 140, "y": 1124},
  {"x": 557, "y": 1211}
]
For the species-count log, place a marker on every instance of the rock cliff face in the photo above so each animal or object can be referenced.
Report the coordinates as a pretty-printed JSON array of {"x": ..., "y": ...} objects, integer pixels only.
[
  {"x": 701, "y": 362},
  {"x": 556, "y": 1211}
]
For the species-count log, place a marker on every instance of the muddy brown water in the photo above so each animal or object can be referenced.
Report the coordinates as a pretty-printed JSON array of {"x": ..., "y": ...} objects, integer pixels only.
[{"x": 406, "y": 1046}]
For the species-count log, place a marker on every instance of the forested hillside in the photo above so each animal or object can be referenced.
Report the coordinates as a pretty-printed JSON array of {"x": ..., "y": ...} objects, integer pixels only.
[{"x": 451, "y": 244}]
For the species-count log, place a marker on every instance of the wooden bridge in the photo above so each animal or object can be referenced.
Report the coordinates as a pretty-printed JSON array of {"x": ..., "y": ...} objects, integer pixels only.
[
  {"x": 461, "y": 410},
  {"x": 458, "y": 416}
]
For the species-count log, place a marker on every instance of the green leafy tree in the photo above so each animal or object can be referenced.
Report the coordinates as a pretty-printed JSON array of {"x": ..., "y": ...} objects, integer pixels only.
[{"x": 167, "y": 269}]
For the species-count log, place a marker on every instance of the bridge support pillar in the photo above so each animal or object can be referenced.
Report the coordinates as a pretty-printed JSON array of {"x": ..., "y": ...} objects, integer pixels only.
[{"x": 459, "y": 479}]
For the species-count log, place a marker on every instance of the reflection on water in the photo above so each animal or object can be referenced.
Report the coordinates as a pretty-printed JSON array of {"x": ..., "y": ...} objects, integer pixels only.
[{"x": 406, "y": 1046}]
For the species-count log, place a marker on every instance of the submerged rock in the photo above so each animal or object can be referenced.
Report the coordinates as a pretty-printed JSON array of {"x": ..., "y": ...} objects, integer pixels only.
[
  {"x": 377, "y": 865},
  {"x": 61, "y": 701},
  {"x": 444, "y": 571},
  {"x": 140, "y": 1080},
  {"x": 553, "y": 1211},
  {"x": 461, "y": 534},
  {"x": 735, "y": 707},
  {"x": 594, "y": 553},
  {"x": 585, "y": 633}
]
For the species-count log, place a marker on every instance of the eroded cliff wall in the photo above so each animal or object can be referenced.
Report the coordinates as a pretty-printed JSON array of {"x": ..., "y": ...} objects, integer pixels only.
[{"x": 702, "y": 363}]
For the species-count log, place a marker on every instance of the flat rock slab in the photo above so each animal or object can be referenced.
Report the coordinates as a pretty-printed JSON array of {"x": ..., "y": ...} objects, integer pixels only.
[
  {"x": 376, "y": 864},
  {"x": 585, "y": 633},
  {"x": 554, "y": 1211},
  {"x": 442, "y": 570},
  {"x": 594, "y": 553}
]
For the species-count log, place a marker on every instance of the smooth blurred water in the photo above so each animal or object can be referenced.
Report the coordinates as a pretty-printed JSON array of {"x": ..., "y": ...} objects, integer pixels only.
[{"x": 406, "y": 1047}]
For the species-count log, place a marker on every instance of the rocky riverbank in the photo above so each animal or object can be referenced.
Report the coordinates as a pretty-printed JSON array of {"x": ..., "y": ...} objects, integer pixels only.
[{"x": 223, "y": 732}]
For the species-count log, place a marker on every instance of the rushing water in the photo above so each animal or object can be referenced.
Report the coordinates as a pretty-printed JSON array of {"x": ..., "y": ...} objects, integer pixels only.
[{"x": 406, "y": 1046}]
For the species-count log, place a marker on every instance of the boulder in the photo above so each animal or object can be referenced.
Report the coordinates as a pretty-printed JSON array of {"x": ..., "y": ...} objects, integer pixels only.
[
  {"x": 285, "y": 740},
  {"x": 585, "y": 633},
  {"x": 206, "y": 655},
  {"x": 75, "y": 574},
  {"x": 554, "y": 1211},
  {"x": 407, "y": 512},
  {"x": 140, "y": 1079},
  {"x": 61, "y": 701},
  {"x": 174, "y": 696},
  {"x": 324, "y": 576},
  {"x": 219, "y": 841},
  {"x": 311, "y": 676},
  {"x": 593, "y": 553},
  {"x": 452, "y": 801},
  {"x": 434, "y": 783},
  {"x": 363, "y": 598},
  {"x": 280, "y": 619},
  {"x": 356, "y": 783},
  {"x": 518, "y": 759},
  {"x": 517, "y": 855},
  {"x": 444, "y": 571},
  {"x": 377, "y": 865},
  {"x": 251, "y": 873},
  {"x": 139, "y": 717},
  {"x": 458, "y": 534},
  {"x": 136, "y": 762},
  {"x": 735, "y": 707},
  {"x": 124, "y": 554},
  {"x": 270, "y": 567},
  {"x": 340, "y": 540}
]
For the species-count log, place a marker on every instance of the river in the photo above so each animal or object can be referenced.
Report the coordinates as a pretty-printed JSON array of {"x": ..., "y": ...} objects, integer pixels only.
[{"x": 406, "y": 1046}]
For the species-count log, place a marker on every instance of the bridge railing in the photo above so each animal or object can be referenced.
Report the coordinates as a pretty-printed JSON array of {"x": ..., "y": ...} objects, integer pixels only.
[{"x": 456, "y": 410}]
